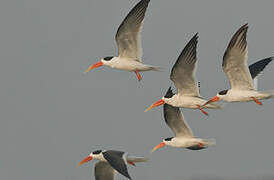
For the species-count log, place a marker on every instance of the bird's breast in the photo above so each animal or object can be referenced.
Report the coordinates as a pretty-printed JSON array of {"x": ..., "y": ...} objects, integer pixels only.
[
  {"x": 126, "y": 65},
  {"x": 242, "y": 95},
  {"x": 187, "y": 102}
]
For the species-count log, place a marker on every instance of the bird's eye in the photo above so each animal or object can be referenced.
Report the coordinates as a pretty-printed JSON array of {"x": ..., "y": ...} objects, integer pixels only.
[
  {"x": 108, "y": 58},
  {"x": 223, "y": 92},
  {"x": 97, "y": 152}
]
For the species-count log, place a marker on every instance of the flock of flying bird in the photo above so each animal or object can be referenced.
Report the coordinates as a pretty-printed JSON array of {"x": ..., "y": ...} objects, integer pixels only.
[{"x": 240, "y": 75}]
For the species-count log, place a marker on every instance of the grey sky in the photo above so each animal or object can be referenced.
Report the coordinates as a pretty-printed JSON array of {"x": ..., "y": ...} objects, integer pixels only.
[{"x": 52, "y": 116}]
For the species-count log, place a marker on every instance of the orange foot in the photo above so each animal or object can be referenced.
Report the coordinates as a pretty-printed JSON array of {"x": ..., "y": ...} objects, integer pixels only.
[
  {"x": 139, "y": 77},
  {"x": 201, "y": 109},
  {"x": 201, "y": 145},
  {"x": 131, "y": 163},
  {"x": 257, "y": 101}
]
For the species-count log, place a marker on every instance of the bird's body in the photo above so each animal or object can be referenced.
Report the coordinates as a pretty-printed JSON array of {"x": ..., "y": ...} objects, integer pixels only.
[
  {"x": 244, "y": 95},
  {"x": 183, "y": 77},
  {"x": 128, "y": 64},
  {"x": 184, "y": 137},
  {"x": 239, "y": 74},
  {"x": 189, "y": 142},
  {"x": 111, "y": 161},
  {"x": 191, "y": 102},
  {"x": 128, "y": 39}
]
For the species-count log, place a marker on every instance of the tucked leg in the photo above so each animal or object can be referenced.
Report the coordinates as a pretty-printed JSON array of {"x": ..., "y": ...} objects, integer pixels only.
[
  {"x": 139, "y": 77},
  {"x": 131, "y": 163},
  {"x": 201, "y": 109},
  {"x": 201, "y": 145},
  {"x": 257, "y": 101}
]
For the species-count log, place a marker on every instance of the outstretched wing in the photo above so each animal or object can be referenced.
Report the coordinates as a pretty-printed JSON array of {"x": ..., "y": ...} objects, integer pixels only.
[
  {"x": 257, "y": 67},
  {"x": 128, "y": 36},
  {"x": 103, "y": 171},
  {"x": 117, "y": 161},
  {"x": 183, "y": 71},
  {"x": 175, "y": 120},
  {"x": 235, "y": 61}
]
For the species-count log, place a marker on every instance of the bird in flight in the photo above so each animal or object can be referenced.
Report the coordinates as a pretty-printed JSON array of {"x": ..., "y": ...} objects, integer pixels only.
[
  {"x": 128, "y": 39},
  {"x": 239, "y": 74},
  {"x": 110, "y": 160},
  {"x": 184, "y": 137},
  {"x": 183, "y": 77}
]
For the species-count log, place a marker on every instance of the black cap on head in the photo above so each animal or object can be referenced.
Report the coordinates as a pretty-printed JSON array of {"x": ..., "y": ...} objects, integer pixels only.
[
  {"x": 168, "y": 139},
  {"x": 108, "y": 58},
  {"x": 97, "y": 152},
  {"x": 223, "y": 92},
  {"x": 169, "y": 93}
]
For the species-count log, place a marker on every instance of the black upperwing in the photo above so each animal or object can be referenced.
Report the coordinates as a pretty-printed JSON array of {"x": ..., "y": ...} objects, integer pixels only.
[
  {"x": 117, "y": 161},
  {"x": 257, "y": 67}
]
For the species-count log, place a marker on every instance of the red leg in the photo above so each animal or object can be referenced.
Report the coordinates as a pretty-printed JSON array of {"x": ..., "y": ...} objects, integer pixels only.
[
  {"x": 201, "y": 145},
  {"x": 131, "y": 163},
  {"x": 139, "y": 77},
  {"x": 257, "y": 101},
  {"x": 201, "y": 109}
]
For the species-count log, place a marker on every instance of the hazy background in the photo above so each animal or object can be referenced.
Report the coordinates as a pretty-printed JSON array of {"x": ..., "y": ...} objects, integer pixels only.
[{"x": 52, "y": 116}]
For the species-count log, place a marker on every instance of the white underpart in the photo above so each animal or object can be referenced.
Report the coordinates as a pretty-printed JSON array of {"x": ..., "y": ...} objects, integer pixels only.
[
  {"x": 183, "y": 142},
  {"x": 188, "y": 102},
  {"x": 243, "y": 95},
  {"x": 127, "y": 64}
]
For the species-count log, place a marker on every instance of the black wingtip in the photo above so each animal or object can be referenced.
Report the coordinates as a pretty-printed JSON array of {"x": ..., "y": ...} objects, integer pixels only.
[
  {"x": 238, "y": 40},
  {"x": 256, "y": 68},
  {"x": 242, "y": 30},
  {"x": 195, "y": 37},
  {"x": 129, "y": 177},
  {"x": 169, "y": 93},
  {"x": 245, "y": 25}
]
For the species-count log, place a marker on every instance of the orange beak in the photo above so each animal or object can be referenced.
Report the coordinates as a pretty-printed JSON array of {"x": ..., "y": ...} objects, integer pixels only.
[
  {"x": 214, "y": 99},
  {"x": 96, "y": 65},
  {"x": 87, "y": 159},
  {"x": 162, "y": 144},
  {"x": 157, "y": 103}
]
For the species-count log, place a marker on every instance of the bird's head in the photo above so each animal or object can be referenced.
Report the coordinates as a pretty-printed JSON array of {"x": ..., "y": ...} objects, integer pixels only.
[
  {"x": 165, "y": 99},
  {"x": 107, "y": 59},
  {"x": 220, "y": 95},
  {"x": 94, "y": 155},
  {"x": 103, "y": 61},
  {"x": 166, "y": 141}
]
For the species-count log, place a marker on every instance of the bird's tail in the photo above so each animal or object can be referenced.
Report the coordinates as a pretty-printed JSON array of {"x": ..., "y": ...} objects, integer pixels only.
[
  {"x": 209, "y": 142},
  {"x": 137, "y": 159},
  {"x": 157, "y": 68},
  {"x": 267, "y": 94},
  {"x": 271, "y": 93},
  {"x": 153, "y": 68}
]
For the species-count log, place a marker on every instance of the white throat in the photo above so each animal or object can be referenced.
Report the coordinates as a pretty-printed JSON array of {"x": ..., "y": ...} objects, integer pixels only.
[{"x": 99, "y": 157}]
